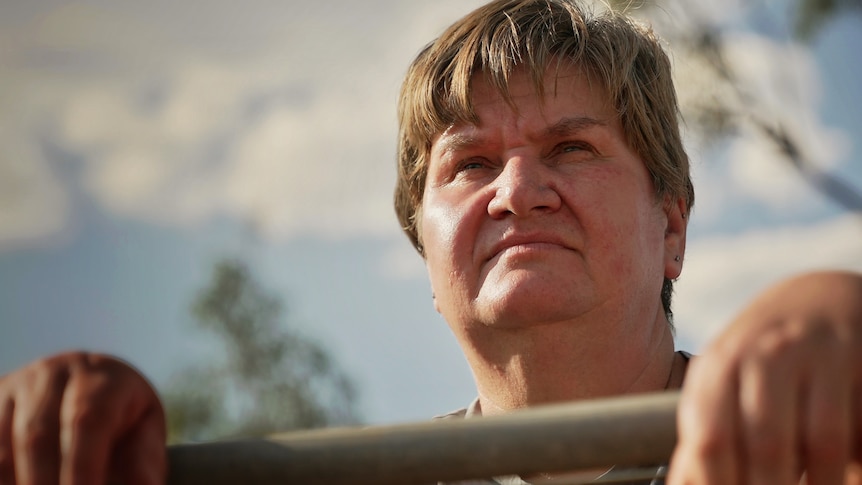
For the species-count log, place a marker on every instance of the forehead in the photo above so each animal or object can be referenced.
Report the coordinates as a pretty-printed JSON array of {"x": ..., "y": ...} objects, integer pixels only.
[
  {"x": 559, "y": 79},
  {"x": 564, "y": 92}
]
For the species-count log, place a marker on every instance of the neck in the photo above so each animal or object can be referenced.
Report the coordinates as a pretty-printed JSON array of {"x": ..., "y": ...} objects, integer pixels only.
[{"x": 516, "y": 368}]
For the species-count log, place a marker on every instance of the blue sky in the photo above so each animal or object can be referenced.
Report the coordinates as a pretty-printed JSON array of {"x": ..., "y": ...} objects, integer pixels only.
[{"x": 141, "y": 142}]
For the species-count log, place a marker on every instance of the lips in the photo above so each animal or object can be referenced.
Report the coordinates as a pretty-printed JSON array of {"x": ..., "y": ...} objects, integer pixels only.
[{"x": 528, "y": 242}]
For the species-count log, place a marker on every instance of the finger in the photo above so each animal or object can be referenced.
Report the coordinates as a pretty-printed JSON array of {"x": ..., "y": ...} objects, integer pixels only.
[
  {"x": 103, "y": 405},
  {"x": 89, "y": 421},
  {"x": 7, "y": 465},
  {"x": 828, "y": 421},
  {"x": 141, "y": 458},
  {"x": 769, "y": 411},
  {"x": 708, "y": 427},
  {"x": 35, "y": 425}
]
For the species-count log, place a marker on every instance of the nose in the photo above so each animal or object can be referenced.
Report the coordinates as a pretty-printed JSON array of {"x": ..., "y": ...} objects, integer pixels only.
[{"x": 522, "y": 188}]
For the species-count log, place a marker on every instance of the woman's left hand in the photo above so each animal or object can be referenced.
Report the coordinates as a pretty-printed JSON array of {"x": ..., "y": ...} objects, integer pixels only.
[{"x": 779, "y": 393}]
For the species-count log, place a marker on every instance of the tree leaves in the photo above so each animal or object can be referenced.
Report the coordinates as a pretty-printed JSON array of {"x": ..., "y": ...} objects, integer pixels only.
[{"x": 269, "y": 377}]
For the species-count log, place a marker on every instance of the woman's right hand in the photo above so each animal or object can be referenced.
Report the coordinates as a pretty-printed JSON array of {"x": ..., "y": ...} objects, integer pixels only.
[{"x": 80, "y": 419}]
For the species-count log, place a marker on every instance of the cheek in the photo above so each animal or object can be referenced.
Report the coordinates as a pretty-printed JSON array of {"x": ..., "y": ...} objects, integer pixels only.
[
  {"x": 449, "y": 234},
  {"x": 438, "y": 229},
  {"x": 647, "y": 238},
  {"x": 630, "y": 232}
]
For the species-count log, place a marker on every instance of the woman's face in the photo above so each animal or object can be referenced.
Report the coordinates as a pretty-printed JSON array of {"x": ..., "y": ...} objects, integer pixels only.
[{"x": 541, "y": 213}]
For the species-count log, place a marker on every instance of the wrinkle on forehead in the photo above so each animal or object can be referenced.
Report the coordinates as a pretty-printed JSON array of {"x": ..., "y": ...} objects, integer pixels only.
[{"x": 541, "y": 93}]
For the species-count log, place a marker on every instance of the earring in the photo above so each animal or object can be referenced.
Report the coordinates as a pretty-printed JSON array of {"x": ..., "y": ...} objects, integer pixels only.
[{"x": 676, "y": 258}]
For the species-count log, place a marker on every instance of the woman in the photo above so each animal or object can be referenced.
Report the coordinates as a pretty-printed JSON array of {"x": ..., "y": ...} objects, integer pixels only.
[{"x": 543, "y": 180}]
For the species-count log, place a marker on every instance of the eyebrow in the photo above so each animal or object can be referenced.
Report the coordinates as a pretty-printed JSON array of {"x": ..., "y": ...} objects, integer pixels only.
[
  {"x": 457, "y": 142},
  {"x": 564, "y": 127},
  {"x": 571, "y": 125}
]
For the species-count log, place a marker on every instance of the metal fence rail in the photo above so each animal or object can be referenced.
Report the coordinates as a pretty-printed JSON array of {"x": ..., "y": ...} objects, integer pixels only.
[{"x": 625, "y": 431}]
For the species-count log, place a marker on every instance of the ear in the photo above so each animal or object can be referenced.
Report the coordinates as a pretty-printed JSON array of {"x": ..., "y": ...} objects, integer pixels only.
[
  {"x": 431, "y": 286},
  {"x": 674, "y": 236}
]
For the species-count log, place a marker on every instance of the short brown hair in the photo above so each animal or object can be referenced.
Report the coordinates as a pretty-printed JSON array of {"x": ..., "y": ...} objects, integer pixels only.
[{"x": 624, "y": 57}]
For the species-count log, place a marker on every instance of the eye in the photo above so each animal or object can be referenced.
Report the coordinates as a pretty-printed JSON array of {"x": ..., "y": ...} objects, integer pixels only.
[
  {"x": 472, "y": 164},
  {"x": 570, "y": 147}
]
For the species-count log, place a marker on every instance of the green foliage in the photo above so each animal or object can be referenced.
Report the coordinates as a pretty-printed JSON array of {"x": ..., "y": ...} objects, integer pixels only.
[
  {"x": 813, "y": 14},
  {"x": 269, "y": 378}
]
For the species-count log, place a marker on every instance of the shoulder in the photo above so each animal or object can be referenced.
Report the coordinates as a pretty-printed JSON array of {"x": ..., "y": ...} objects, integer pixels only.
[{"x": 473, "y": 410}]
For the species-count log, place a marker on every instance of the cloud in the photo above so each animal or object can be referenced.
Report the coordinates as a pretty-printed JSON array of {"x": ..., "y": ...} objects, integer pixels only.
[
  {"x": 277, "y": 114},
  {"x": 783, "y": 82},
  {"x": 291, "y": 156},
  {"x": 287, "y": 125},
  {"x": 722, "y": 273},
  {"x": 34, "y": 206}
]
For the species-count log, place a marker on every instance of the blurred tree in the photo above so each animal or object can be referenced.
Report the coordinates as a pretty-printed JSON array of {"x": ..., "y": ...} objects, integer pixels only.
[
  {"x": 269, "y": 378},
  {"x": 724, "y": 104},
  {"x": 813, "y": 14}
]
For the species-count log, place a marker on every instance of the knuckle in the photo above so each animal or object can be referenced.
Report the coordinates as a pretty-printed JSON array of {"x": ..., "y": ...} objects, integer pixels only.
[
  {"x": 718, "y": 356},
  {"x": 106, "y": 372},
  {"x": 38, "y": 438},
  {"x": 762, "y": 426},
  {"x": 766, "y": 448},
  {"x": 39, "y": 370},
  {"x": 75, "y": 362},
  {"x": 61, "y": 361},
  {"x": 49, "y": 369},
  {"x": 96, "y": 378},
  {"x": 86, "y": 418},
  {"x": 775, "y": 346}
]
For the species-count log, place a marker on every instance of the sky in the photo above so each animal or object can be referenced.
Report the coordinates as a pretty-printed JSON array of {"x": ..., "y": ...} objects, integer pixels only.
[{"x": 140, "y": 142}]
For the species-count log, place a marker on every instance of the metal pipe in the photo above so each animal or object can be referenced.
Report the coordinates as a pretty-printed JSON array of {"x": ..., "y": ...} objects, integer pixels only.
[{"x": 623, "y": 431}]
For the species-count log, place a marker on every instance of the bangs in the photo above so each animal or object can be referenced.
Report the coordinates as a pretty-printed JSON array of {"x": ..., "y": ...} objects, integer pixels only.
[{"x": 527, "y": 35}]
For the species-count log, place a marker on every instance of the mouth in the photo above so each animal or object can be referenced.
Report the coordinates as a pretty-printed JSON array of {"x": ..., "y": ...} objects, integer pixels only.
[{"x": 527, "y": 245}]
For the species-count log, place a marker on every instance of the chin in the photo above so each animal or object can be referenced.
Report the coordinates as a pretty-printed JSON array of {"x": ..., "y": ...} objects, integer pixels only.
[{"x": 528, "y": 310}]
